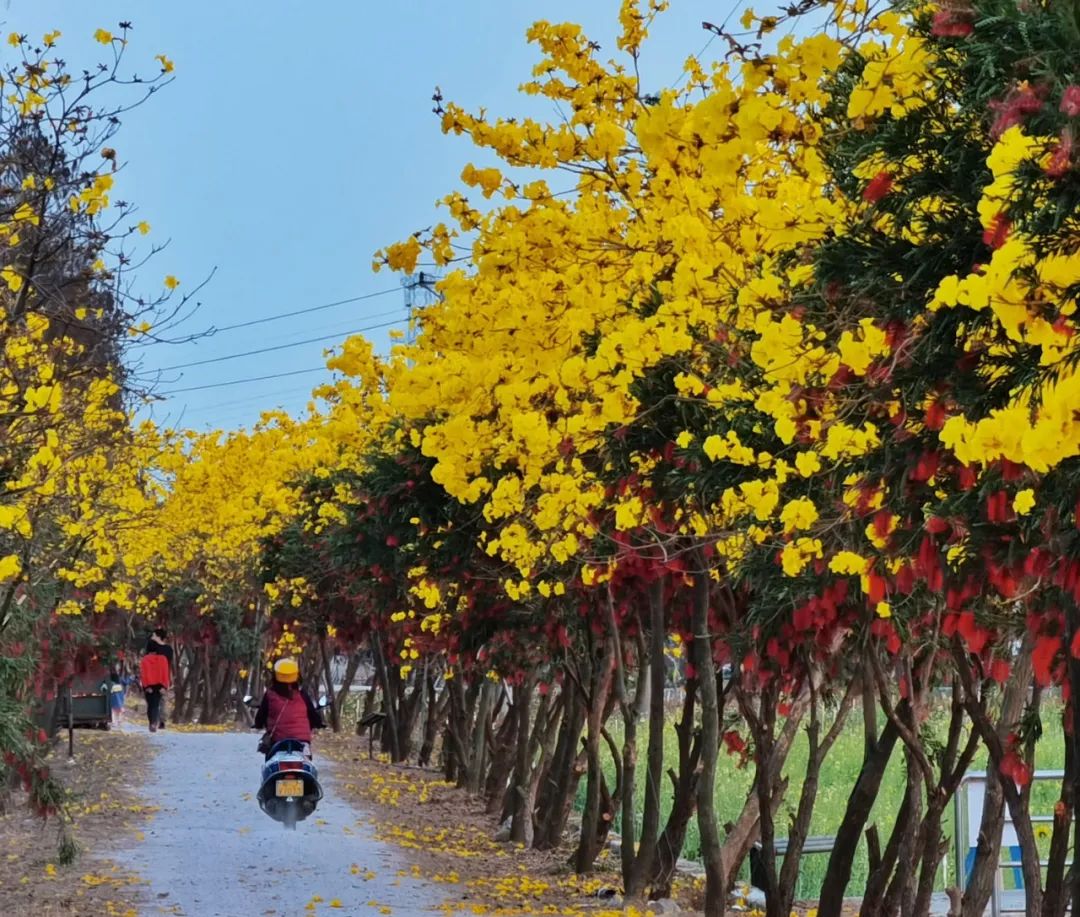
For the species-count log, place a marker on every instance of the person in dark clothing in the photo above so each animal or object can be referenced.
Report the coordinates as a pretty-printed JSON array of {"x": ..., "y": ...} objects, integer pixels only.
[
  {"x": 156, "y": 676},
  {"x": 286, "y": 710}
]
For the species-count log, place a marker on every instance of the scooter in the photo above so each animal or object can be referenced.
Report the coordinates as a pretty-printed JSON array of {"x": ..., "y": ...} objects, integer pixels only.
[{"x": 290, "y": 788}]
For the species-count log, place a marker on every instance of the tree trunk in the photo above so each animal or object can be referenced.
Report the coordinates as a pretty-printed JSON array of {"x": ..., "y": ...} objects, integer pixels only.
[
  {"x": 478, "y": 752},
  {"x": 521, "y": 824},
  {"x": 409, "y": 712},
  {"x": 370, "y": 696},
  {"x": 878, "y": 882},
  {"x": 331, "y": 694},
  {"x": 1018, "y": 801},
  {"x": 502, "y": 764},
  {"x": 711, "y": 851},
  {"x": 741, "y": 836},
  {"x": 224, "y": 690},
  {"x": 766, "y": 783},
  {"x": 436, "y": 710},
  {"x": 192, "y": 685},
  {"x": 456, "y": 757},
  {"x": 588, "y": 849},
  {"x": 861, "y": 801},
  {"x": 984, "y": 868},
  {"x": 560, "y": 783},
  {"x": 633, "y": 880},
  {"x": 342, "y": 696},
  {"x": 954, "y": 764},
  {"x": 933, "y": 849},
  {"x": 210, "y": 669},
  {"x": 544, "y": 744},
  {"x": 654, "y": 772},
  {"x": 683, "y": 796},
  {"x": 1072, "y": 736},
  {"x": 1057, "y": 894},
  {"x": 820, "y": 746},
  {"x": 901, "y": 894},
  {"x": 390, "y": 724}
]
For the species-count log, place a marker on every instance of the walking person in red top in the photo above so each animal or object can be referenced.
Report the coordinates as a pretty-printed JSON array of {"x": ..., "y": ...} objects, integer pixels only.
[
  {"x": 155, "y": 673},
  {"x": 286, "y": 711}
]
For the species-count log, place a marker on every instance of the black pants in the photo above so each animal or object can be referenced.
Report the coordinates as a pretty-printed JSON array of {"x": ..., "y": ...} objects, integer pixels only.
[{"x": 155, "y": 697}]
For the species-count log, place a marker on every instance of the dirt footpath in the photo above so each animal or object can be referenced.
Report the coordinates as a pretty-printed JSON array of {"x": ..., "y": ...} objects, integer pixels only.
[{"x": 108, "y": 816}]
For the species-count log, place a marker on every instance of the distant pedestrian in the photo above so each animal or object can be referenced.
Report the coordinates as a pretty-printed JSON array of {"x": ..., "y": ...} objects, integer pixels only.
[
  {"x": 155, "y": 673},
  {"x": 117, "y": 694}
]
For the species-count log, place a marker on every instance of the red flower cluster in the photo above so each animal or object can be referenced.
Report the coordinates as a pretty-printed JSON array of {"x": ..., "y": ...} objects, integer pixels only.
[
  {"x": 1070, "y": 101},
  {"x": 1023, "y": 100},
  {"x": 1016, "y": 769},
  {"x": 953, "y": 21},
  {"x": 880, "y": 185},
  {"x": 997, "y": 232},
  {"x": 1061, "y": 159}
]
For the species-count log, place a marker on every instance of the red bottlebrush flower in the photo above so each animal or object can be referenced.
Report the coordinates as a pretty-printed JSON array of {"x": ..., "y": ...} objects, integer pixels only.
[
  {"x": 1000, "y": 671},
  {"x": 1059, "y": 162},
  {"x": 997, "y": 232},
  {"x": 1021, "y": 101},
  {"x": 1061, "y": 159},
  {"x": 926, "y": 467},
  {"x": 953, "y": 22},
  {"x": 880, "y": 185},
  {"x": 735, "y": 744},
  {"x": 1070, "y": 101},
  {"x": 1013, "y": 767},
  {"x": 974, "y": 636},
  {"x": 997, "y": 507},
  {"x": 935, "y": 416},
  {"x": 1011, "y": 471},
  {"x": 876, "y": 590},
  {"x": 1042, "y": 658},
  {"x": 884, "y": 630},
  {"x": 935, "y": 525},
  {"x": 882, "y": 523},
  {"x": 905, "y": 579}
]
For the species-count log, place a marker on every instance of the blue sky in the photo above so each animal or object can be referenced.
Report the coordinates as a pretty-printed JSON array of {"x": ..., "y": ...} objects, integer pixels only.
[{"x": 297, "y": 140}]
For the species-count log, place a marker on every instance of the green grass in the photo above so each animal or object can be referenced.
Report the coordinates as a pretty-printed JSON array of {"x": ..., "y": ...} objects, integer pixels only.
[{"x": 838, "y": 775}]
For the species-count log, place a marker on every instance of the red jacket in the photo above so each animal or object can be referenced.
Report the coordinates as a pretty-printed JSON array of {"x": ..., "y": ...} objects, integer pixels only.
[
  {"x": 154, "y": 670},
  {"x": 287, "y": 717}
]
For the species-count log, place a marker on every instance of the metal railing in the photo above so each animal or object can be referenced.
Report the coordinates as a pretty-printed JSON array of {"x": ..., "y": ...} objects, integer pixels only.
[{"x": 963, "y": 837}]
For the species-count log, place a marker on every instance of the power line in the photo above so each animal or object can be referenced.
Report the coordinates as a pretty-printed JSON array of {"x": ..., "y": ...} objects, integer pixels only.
[
  {"x": 200, "y": 388},
  {"x": 251, "y": 353},
  {"x": 310, "y": 309},
  {"x": 295, "y": 390}
]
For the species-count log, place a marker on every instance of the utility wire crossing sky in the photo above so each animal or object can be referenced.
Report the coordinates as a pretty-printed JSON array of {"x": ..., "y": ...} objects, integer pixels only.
[{"x": 290, "y": 148}]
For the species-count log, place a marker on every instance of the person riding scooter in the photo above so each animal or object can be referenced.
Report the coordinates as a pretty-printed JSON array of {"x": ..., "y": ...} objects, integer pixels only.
[{"x": 286, "y": 710}]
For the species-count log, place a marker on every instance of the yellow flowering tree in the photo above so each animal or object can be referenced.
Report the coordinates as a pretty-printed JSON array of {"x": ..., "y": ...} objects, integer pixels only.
[{"x": 73, "y": 466}]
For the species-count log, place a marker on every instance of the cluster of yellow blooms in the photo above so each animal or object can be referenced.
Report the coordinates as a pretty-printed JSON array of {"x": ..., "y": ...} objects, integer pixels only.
[{"x": 680, "y": 249}]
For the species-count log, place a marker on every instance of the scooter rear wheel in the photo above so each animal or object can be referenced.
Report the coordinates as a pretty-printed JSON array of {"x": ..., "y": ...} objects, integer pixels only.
[{"x": 290, "y": 816}]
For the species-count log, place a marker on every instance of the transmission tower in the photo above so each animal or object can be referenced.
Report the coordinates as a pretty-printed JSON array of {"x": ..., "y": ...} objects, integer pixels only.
[{"x": 420, "y": 292}]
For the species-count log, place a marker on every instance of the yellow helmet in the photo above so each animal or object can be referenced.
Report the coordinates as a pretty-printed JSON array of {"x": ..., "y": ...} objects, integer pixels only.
[{"x": 287, "y": 671}]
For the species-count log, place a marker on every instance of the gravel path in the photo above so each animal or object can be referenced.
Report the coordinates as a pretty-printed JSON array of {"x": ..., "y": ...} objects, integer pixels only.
[{"x": 211, "y": 852}]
